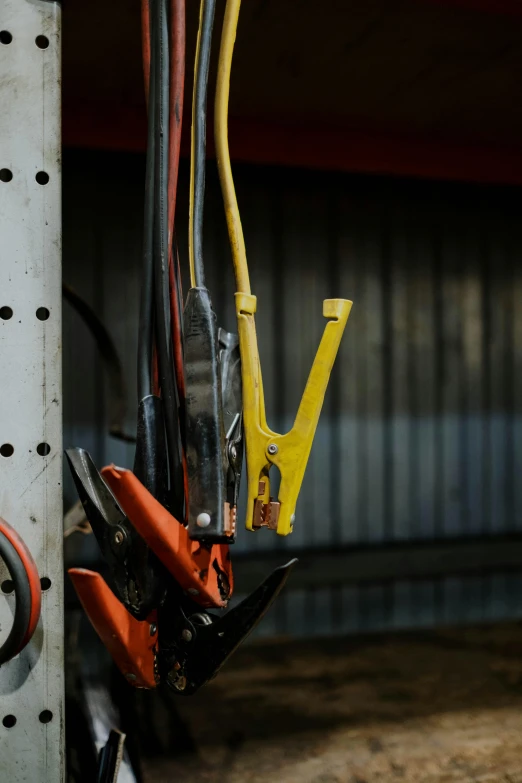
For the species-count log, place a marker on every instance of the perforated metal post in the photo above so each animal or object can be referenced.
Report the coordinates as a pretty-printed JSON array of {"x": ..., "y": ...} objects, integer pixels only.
[{"x": 31, "y": 685}]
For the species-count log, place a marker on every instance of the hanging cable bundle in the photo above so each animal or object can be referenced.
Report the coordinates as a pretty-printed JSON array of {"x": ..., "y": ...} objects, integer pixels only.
[
  {"x": 264, "y": 447},
  {"x": 159, "y": 451},
  {"x": 164, "y": 528}
]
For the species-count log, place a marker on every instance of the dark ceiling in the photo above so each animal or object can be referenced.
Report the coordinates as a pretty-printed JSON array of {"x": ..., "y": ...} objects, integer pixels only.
[{"x": 414, "y": 67}]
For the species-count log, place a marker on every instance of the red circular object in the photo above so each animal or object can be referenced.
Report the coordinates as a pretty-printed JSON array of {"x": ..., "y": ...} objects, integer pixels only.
[{"x": 33, "y": 581}]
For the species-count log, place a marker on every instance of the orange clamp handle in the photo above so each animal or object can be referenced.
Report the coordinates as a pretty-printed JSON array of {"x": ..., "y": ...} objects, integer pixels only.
[
  {"x": 205, "y": 573},
  {"x": 132, "y": 643}
]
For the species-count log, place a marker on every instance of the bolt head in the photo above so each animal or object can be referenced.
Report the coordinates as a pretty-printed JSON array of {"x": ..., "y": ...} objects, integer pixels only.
[
  {"x": 193, "y": 591},
  {"x": 131, "y": 677},
  {"x": 180, "y": 684},
  {"x": 203, "y": 519},
  {"x": 272, "y": 449},
  {"x": 118, "y": 537},
  {"x": 153, "y": 628},
  {"x": 175, "y": 679},
  {"x": 186, "y": 635}
]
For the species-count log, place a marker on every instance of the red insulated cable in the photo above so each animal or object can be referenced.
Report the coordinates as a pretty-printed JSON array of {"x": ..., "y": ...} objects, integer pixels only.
[
  {"x": 145, "y": 48},
  {"x": 176, "y": 94},
  {"x": 176, "y": 89},
  {"x": 145, "y": 44},
  {"x": 177, "y": 85},
  {"x": 178, "y": 360}
]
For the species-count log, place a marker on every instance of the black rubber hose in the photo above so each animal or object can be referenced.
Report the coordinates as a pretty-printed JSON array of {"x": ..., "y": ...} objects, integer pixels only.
[
  {"x": 208, "y": 8},
  {"x": 145, "y": 335},
  {"x": 117, "y": 400},
  {"x": 160, "y": 62},
  {"x": 22, "y": 616}
]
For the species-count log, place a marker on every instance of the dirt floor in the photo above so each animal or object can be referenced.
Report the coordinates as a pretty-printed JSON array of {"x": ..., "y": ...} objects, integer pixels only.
[{"x": 430, "y": 708}]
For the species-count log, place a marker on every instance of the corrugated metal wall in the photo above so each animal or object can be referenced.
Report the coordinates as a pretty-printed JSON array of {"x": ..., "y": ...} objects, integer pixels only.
[{"x": 421, "y": 433}]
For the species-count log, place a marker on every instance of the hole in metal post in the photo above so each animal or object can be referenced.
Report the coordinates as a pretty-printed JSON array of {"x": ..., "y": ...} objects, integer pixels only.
[
  {"x": 41, "y": 41},
  {"x": 42, "y": 177},
  {"x": 42, "y": 313},
  {"x": 6, "y": 175},
  {"x": 6, "y": 450},
  {"x": 46, "y": 716},
  {"x": 9, "y": 721},
  {"x": 5, "y": 37},
  {"x": 43, "y": 449},
  {"x": 7, "y": 586},
  {"x": 6, "y": 313},
  {"x": 45, "y": 583}
]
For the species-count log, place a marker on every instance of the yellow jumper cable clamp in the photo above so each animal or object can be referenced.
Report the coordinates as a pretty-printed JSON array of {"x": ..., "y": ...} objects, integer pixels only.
[{"x": 264, "y": 447}]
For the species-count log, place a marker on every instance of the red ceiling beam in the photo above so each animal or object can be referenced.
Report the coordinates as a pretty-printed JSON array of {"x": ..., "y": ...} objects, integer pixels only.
[
  {"x": 123, "y": 128},
  {"x": 104, "y": 126},
  {"x": 509, "y": 7},
  {"x": 343, "y": 150}
]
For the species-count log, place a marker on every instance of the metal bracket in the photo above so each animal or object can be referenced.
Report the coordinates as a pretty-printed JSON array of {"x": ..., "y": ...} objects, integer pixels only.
[{"x": 31, "y": 684}]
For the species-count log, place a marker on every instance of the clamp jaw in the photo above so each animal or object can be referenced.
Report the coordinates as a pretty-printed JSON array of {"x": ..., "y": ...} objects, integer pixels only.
[
  {"x": 136, "y": 534},
  {"x": 197, "y": 644},
  {"x": 213, "y": 422},
  {"x": 180, "y": 644},
  {"x": 155, "y": 620},
  {"x": 264, "y": 447},
  {"x": 230, "y": 360}
]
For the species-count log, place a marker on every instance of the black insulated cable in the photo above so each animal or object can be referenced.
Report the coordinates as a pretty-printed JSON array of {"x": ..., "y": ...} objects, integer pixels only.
[
  {"x": 160, "y": 63},
  {"x": 210, "y": 517},
  {"x": 145, "y": 334},
  {"x": 199, "y": 130},
  {"x": 151, "y": 458}
]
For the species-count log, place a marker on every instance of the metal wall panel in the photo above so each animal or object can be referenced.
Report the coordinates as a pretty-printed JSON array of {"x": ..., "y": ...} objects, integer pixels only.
[{"x": 421, "y": 432}]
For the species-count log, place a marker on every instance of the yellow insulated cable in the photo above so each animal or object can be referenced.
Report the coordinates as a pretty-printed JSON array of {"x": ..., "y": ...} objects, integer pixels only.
[
  {"x": 192, "y": 172},
  {"x": 192, "y": 262},
  {"x": 235, "y": 230},
  {"x": 264, "y": 447}
]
